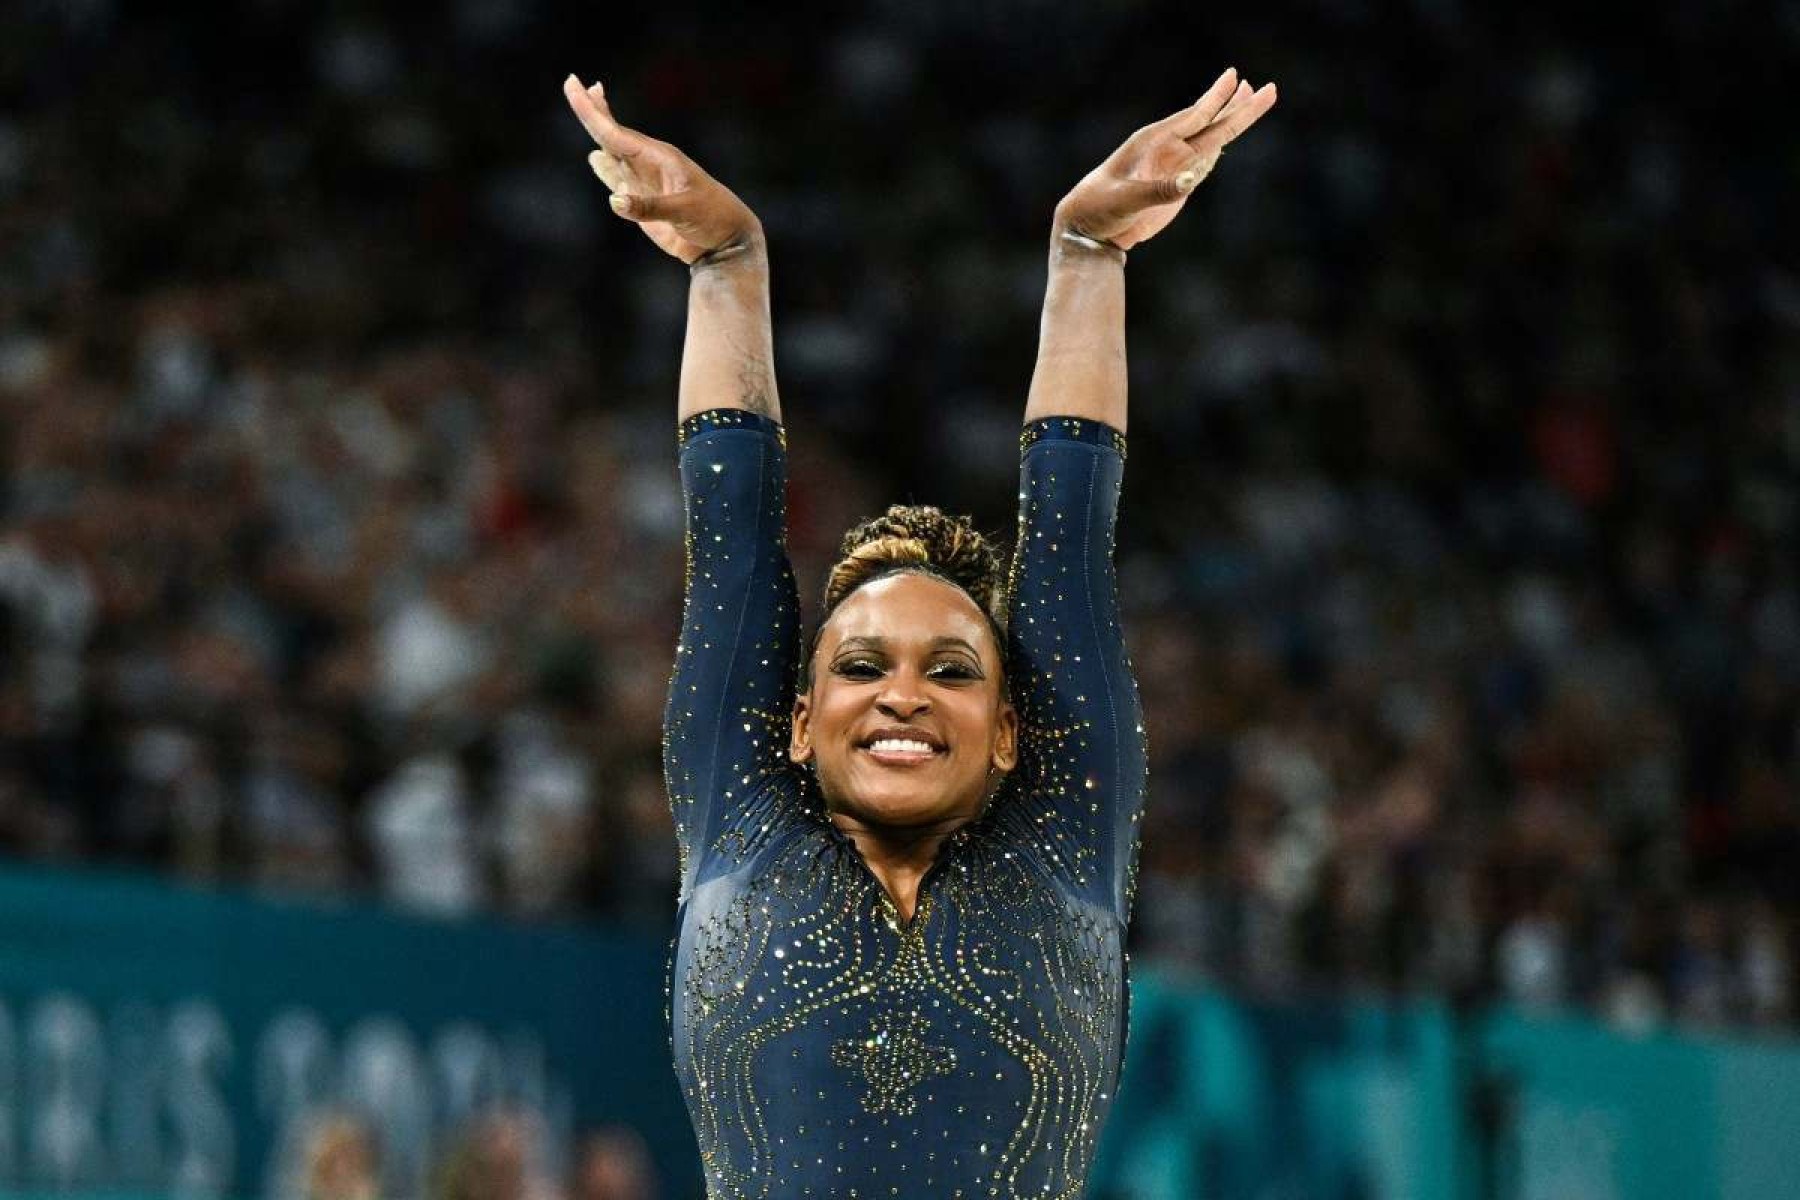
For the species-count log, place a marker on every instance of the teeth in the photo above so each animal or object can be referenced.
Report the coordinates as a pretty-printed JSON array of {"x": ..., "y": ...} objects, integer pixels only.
[{"x": 900, "y": 746}]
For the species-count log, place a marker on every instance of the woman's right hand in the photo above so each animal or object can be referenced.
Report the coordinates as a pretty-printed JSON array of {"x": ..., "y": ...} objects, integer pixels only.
[{"x": 681, "y": 208}]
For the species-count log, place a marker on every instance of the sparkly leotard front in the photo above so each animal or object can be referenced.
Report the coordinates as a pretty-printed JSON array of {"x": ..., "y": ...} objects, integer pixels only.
[{"x": 827, "y": 1048}]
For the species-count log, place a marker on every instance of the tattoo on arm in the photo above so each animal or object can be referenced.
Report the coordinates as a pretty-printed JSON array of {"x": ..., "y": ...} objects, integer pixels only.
[
  {"x": 757, "y": 401},
  {"x": 755, "y": 382}
]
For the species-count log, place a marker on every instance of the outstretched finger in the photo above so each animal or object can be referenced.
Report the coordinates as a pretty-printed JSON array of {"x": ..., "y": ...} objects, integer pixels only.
[
  {"x": 1231, "y": 124},
  {"x": 1205, "y": 110},
  {"x": 596, "y": 117},
  {"x": 1243, "y": 93}
]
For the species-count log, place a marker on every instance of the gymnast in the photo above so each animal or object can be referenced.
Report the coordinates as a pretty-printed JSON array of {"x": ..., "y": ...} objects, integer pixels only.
[{"x": 908, "y": 843}]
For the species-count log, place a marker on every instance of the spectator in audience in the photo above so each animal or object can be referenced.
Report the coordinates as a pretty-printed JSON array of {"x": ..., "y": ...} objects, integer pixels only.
[
  {"x": 614, "y": 1165},
  {"x": 341, "y": 1162}
]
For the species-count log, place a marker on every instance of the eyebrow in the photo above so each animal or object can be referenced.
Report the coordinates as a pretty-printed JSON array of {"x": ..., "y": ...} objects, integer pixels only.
[{"x": 871, "y": 642}]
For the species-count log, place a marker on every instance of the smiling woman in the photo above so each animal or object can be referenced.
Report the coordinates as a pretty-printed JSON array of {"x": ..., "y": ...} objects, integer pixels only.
[
  {"x": 901, "y": 949},
  {"x": 904, "y": 717},
  {"x": 906, "y": 869}
]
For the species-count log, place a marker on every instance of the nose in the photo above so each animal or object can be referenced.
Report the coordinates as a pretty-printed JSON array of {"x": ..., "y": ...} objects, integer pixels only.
[{"x": 901, "y": 699}]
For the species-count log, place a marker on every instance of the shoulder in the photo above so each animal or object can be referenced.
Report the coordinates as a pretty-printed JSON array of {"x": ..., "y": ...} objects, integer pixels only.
[{"x": 775, "y": 812}]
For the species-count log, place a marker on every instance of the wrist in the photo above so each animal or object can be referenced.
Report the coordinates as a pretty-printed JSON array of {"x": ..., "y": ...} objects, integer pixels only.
[
  {"x": 1069, "y": 244},
  {"x": 747, "y": 248}
]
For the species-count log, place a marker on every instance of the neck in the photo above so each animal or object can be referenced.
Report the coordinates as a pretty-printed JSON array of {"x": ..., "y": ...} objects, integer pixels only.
[{"x": 898, "y": 855}]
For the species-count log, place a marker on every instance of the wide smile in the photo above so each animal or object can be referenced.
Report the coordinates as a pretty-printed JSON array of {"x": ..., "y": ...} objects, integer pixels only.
[{"x": 902, "y": 749}]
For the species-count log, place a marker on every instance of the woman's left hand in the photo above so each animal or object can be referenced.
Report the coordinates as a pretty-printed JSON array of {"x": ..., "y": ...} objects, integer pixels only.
[{"x": 1131, "y": 196}]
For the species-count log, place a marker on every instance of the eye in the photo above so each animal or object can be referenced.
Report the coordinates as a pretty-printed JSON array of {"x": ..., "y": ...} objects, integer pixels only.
[
  {"x": 952, "y": 669},
  {"x": 857, "y": 668}
]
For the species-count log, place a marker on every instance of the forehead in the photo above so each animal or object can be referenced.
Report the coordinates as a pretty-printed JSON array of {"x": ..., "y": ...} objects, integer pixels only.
[{"x": 908, "y": 607}]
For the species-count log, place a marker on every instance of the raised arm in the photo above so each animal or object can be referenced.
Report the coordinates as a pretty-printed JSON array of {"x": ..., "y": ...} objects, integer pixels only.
[
  {"x": 725, "y": 725},
  {"x": 1125, "y": 200},
  {"x": 728, "y": 360},
  {"x": 1081, "y": 784}
]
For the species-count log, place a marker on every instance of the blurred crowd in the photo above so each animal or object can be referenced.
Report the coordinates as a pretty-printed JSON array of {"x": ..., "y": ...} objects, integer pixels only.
[
  {"x": 340, "y": 543},
  {"x": 499, "y": 1155}
]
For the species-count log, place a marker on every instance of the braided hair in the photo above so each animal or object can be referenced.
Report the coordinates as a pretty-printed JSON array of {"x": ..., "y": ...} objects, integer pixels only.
[{"x": 924, "y": 539}]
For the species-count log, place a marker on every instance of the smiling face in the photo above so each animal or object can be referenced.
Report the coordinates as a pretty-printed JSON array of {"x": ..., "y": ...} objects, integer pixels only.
[{"x": 906, "y": 717}]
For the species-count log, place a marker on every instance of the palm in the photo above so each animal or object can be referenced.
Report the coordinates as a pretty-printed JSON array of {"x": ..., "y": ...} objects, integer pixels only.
[
  {"x": 1161, "y": 158},
  {"x": 656, "y": 174},
  {"x": 688, "y": 211},
  {"x": 1133, "y": 195}
]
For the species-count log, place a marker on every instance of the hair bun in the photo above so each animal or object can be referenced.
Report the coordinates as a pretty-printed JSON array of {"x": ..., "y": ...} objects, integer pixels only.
[{"x": 923, "y": 537}]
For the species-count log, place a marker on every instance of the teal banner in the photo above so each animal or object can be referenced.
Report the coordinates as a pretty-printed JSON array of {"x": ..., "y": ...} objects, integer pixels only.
[
  {"x": 1225, "y": 1099},
  {"x": 1598, "y": 1116},
  {"x": 159, "y": 1041}
]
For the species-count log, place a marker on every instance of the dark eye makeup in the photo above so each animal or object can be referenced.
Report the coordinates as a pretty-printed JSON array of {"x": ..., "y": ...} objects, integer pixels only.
[{"x": 862, "y": 669}]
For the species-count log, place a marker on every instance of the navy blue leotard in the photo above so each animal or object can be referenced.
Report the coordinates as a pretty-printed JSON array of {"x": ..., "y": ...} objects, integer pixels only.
[{"x": 825, "y": 1047}]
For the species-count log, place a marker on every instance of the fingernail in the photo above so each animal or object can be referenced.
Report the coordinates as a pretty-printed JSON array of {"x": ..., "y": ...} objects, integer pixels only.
[
  {"x": 1185, "y": 181},
  {"x": 619, "y": 203},
  {"x": 571, "y": 79}
]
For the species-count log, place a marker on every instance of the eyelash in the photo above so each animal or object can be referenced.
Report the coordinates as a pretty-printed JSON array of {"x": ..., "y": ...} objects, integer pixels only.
[{"x": 863, "y": 669}]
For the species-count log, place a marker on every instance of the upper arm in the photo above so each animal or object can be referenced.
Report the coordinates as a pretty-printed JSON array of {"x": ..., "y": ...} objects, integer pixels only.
[
  {"x": 732, "y": 691},
  {"x": 1080, "y": 789}
]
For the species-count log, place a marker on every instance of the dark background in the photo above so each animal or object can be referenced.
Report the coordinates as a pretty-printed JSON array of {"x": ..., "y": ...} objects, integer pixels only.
[{"x": 339, "y": 539}]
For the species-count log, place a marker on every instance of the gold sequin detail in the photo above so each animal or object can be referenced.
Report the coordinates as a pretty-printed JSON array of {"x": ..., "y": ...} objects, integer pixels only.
[
  {"x": 826, "y": 1047},
  {"x": 894, "y": 1058}
]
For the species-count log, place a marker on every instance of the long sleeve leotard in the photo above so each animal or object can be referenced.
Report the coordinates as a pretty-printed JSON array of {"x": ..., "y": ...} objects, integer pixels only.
[{"x": 825, "y": 1046}]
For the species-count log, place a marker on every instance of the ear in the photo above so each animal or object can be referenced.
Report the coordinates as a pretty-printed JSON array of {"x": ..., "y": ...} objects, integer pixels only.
[
  {"x": 1006, "y": 739},
  {"x": 800, "y": 734}
]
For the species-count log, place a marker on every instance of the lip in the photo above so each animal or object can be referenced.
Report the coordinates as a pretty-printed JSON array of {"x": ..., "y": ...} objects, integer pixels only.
[
  {"x": 911, "y": 733},
  {"x": 889, "y": 758}
]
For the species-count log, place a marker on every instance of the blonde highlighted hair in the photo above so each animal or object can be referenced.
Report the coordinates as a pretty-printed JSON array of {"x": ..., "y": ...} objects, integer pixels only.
[{"x": 922, "y": 538}]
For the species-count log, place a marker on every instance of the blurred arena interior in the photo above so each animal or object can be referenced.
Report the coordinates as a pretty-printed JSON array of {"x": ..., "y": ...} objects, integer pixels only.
[{"x": 340, "y": 570}]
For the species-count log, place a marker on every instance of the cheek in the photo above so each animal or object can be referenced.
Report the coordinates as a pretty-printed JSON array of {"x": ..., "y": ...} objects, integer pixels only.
[
  {"x": 835, "y": 713},
  {"x": 976, "y": 723}
]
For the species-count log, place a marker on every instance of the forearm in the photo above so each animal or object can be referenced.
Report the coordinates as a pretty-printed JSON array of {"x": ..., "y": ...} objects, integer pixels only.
[
  {"x": 728, "y": 358},
  {"x": 1080, "y": 369}
]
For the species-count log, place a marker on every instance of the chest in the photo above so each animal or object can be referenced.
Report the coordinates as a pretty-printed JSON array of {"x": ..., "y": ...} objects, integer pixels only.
[
  {"x": 810, "y": 952},
  {"x": 823, "y": 1042}
]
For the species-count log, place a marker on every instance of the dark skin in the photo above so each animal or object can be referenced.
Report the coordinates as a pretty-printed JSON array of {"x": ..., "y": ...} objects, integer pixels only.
[
  {"x": 899, "y": 812},
  {"x": 907, "y": 723}
]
